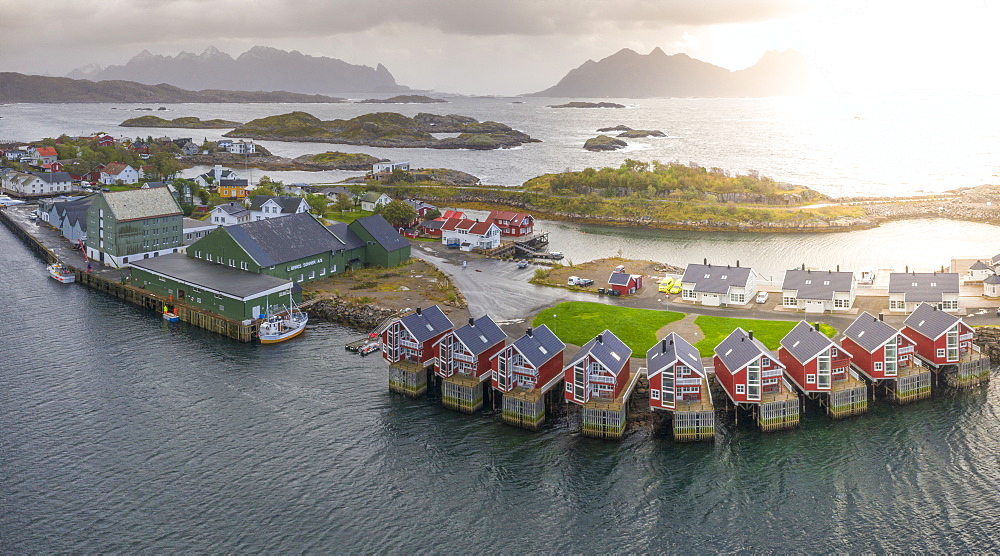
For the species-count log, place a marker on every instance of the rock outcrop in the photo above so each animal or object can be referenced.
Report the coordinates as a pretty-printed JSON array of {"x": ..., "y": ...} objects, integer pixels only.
[{"x": 604, "y": 143}]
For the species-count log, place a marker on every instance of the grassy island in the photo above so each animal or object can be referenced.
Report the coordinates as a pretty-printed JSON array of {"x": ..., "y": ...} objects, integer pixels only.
[{"x": 189, "y": 122}]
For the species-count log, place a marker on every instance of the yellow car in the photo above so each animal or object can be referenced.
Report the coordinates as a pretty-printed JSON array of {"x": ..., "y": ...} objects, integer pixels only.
[
  {"x": 666, "y": 284},
  {"x": 675, "y": 289}
]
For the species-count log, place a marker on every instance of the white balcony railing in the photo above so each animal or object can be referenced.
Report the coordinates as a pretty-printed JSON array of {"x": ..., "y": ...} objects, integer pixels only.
[
  {"x": 770, "y": 374},
  {"x": 905, "y": 350},
  {"x": 689, "y": 381}
]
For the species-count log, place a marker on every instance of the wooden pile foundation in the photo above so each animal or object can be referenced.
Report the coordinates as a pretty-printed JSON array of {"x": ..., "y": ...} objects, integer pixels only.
[
  {"x": 693, "y": 426},
  {"x": 408, "y": 378},
  {"x": 778, "y": 415},
  {"x": 910, "y": 388},
  {"x": 604, "y": 418},
  {"x": 462, "y": 393},
  {"x": 969, "y": 374}
]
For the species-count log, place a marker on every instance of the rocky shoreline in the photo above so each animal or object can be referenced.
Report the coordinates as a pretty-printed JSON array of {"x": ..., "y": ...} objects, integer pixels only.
[
  {"x": 340, "y": 310},
  {"x": 279, "y": 163}
]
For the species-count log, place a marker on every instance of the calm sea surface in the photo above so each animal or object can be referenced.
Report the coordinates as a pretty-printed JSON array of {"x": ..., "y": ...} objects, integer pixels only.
[{"x": 119, "y": 432}]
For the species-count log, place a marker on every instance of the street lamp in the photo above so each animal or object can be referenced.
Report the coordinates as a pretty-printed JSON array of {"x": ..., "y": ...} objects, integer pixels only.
[{"x": 555, "y": 323}]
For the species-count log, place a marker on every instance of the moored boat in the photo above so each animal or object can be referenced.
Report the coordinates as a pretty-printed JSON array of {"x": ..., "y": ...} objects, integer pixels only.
[
  {"x": 60, "y": 273},
  {"x": 285, "y": 326}
]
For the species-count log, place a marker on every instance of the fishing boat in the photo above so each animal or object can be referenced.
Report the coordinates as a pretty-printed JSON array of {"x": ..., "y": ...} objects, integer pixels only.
[
  {"x": 283, "y": 326},
  {"x": 370, "y": 347},
  {"x": 60, "y": 273}
]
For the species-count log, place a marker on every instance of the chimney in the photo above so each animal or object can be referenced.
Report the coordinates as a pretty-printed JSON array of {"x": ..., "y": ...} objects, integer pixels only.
[
  {"x": 727, "y": 266},
  {"x": 600, "y": 338},
  {"x": 418, "y": 310},
  {"x": 528, "y": 332},
  {"x": 838, "y": 268},
  {"x": 737, "y": 263},
  {"x": 663, "y": 346},
  {"x": 880, "y": 316},
  {"x": 750, "y": 334},
  {"x": 816, "y": 326},
  {"x": 472, "y": 321},
  {"x": 705, "y": 261}
]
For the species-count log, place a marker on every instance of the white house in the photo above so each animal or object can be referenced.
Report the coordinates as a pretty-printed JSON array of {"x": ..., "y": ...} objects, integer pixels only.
[
  {"x": 371, "y": 200},
  {"x": 388, "y": 167},
  {"x": 197, "y": 229},
  {"x": 978, "y": 272},
  {"x": 907, "y": 290},
  {"x": 229, "y": 214},
  {"x": 715, "y": 285},
  {"x": 469, "y": 234},
  {"x": 263, "y": 207},
  {"x": 242, "y": 147},
  {"x": 817, "y": 291},
  {"x": 216, "y": 174},
  {"x": 41, "y": 183},
  {"x": 116, "y": 171},
  {"x": 991, "y": 286}
]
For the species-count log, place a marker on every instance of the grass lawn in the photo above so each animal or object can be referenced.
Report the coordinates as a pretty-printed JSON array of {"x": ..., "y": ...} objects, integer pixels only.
[
  {"x": 578, "y": 322},
  {"x": 348, "y": 217},
  {"x": 769, "y": 332}
]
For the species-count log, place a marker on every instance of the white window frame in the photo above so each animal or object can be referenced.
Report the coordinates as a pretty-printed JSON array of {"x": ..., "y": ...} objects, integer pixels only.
[
  {"x": 810, "y": 379},
  {"x": 740, "y": 389},
  {"x": 654, "y": 394}
]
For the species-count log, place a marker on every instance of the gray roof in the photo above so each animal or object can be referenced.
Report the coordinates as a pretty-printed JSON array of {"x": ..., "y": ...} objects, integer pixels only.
[
  {"x": 137, "y": 204},
  {"x": 817, "y": 284},
  {"x": 992, "y": 279},
  {"x": 923, "y": 286},
  {"x": 149, "y": 184},
  {"x": 480, "y": 335},
  {"x": 673, "y": 349},
  {"x": 738, "y": 350},
  {"x": 930, "y": 322},
  {"x": 346, "y": 234},
  {"x": 233, "y": 208},
  {"x": 371, "y": 196},
  {"x": 75, "y": 210},
  {"x": 995, "y": 259},
  {"x": 979, "y": 265},
  {"x": 383, "y": 232},
  {"x": 619, "y": 278},
  {"x": 50, "y": 177},
  {"x": 608, "y": 349},
  {"x": 715, "y": 278},
  {"x": 334, "y": 191},
  {"x": 805, "y": 342},
  {"x": 287, "y": 203},
  {"x": 418, "y": 204},
  {"x": 279, "y": 240},
  {"x": 191, "y": 223},
  {"x": 869, "y": 332},
  {"x": 539, "y": 345},
  {"x": 432, "y": 224},
  {"x": 229, "y": 182},
  {"x": 427, "y": 323},
  {"x": 228, "y": 280}
]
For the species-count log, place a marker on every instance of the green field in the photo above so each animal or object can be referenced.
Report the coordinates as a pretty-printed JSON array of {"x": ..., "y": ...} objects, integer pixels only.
[
  {"x": 769, "y": 332},
  {"x": 578, "y": 322},
  {"x": 348, "y": 216}
]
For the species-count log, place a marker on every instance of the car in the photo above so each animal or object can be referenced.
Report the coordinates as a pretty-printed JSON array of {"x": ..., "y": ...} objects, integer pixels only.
[
  {"x": 675, "y": 289},
  {"x": 666, "y": 285},
  {"x": 761, "y": 297},
  {"x": 577, "y": 281}
]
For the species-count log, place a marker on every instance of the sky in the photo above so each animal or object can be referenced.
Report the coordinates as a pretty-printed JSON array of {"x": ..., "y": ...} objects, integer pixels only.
[{"x": 509, "y": 47}]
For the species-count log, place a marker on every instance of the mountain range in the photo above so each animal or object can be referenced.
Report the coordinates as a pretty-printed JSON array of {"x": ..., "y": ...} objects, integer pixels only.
[
  {"x": 628, "y": 74},
  {"x": 259, "y": 69}
]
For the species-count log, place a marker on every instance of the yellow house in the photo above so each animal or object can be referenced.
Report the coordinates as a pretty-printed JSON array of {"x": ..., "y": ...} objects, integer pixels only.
[{"x": 232, "y": 189}]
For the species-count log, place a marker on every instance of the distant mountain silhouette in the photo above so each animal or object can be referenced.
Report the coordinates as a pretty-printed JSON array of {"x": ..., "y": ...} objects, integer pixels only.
[
  {"x": 17, "y": 87},
  {"x": 627, "y": 74},
  {"x": 259, "y": 69}
]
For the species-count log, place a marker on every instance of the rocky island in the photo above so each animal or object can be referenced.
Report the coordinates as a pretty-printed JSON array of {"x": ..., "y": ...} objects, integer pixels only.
[
  {"x": 402, "y": 99},
  {"x": 618, "y": 127},
  {"x": 579, "y": 104},
  {"x": 385, "y": 129},
  {"x": 639, "y": 133},
  {"x": 604, "y": 143},
  {"x": 189, "y": 122}
]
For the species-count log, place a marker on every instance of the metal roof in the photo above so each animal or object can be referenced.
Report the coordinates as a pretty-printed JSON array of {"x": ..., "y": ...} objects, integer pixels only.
[
  {"x": 817, "y": 284},
  {"x": 923, "y": 286},
  {"x": 738, "y": 350},
  {"x": 275, "y": 241},
  {"x": 672, "y": 349},
  {"x": 346, "y": 234},
  {"x": 427, "y": 323},
  {"x": 480, "y": 335},
  {"x": 383, "y": 232},
  {"x": 805, "y": 342},
  {"x": 714, "y": 278},
  {"x": 608, "y": 349},
  {"x": 233, "y": 209},
  {"x": 929, "y": 322},
  {"x": 221, "y": 278},
  {"x": 138, "y": 204},
  {"x": 287, "y": 203},
  {"x": 992, "y": 279},
  {"x": 538, "y": 345},
  {"x": 619, "y": 278},
  {"x": 53, "y": 177},
  {"x": 869, "y": 332},
  {"x": 979, "y": 265}
]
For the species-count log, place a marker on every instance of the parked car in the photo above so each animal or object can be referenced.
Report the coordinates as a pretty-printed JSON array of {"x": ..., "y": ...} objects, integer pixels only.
[
  {"x": 577, "y": 281},
  {"x": 761, "y": 297},
  {"x": 556, "y": 255},
  {"x": 666, "y": 285}
]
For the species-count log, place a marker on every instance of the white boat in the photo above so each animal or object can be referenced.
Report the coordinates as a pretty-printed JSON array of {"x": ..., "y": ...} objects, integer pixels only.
[
  {"x": 60, "y": 273},
  {"x": 6, "y": 201},
  {"x": 283, "y": 326}
]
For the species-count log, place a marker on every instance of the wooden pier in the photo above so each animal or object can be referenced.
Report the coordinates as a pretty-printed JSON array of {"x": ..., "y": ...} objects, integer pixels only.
[
  {"x": 409, "y": 377},
  {"x": 463, "y": 392},
  {"x": 526, "y": 408},
  {"x": 846, "y": 397},
  {"x": 778, "y": 411},
  {"x": 972, "y": 370},
  {"x": 605, "y": 418},
  {"x": 912, "y": 384},
  {"x": 694, "y": 421}
]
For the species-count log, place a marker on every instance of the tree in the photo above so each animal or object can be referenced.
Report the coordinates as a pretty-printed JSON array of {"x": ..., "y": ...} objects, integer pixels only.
[
  {"x": 317, "y": 203},
  {"x": 432, "y": 214},
  {"x": 344, "y": 202},
  {"x": 398, "y": 213},
  {"x": 165, "y": 165}
]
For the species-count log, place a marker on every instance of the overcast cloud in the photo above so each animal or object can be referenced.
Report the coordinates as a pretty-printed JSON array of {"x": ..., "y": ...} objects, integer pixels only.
[{"x": 498, "y": 47}]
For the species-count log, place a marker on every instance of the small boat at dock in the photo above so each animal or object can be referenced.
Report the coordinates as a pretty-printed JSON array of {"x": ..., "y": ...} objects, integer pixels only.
[
  {"x": 370, "y": 347},
  {"x": 283, "y": 326},
  {"x": 60, "y": 273}
]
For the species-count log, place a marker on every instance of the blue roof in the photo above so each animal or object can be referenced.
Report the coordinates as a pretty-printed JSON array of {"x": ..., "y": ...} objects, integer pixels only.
[
  {"x": 426, "y": 323},
  {"x": 480, "y": 335},
  {"x": 673, "y": 349},
  {"x": 538, "y": 345},
  {"x": 608, "y": 349}
]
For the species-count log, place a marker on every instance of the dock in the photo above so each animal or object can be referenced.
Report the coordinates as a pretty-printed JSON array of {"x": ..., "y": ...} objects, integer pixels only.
[
  {"x": 778, "y": 410},
  {"x": 604, "y": 417},
  {"x": 694, "y": 421},
  {"x": 464, "y": 393},
  {"x": 527, "y": 409}
]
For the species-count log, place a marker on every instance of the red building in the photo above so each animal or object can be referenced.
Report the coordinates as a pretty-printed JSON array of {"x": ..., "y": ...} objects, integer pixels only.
[
  {"x": 531, "y": 362},
  {"x": 92, "y": 176},
  {"x": 468, "y": 350},
  {"x": 431, "y": 228},
  {"x": 625, "y": 283},
  {"x": 675, "y": 373},
  {"x": 449, "y": 214},
  {"x": 941, "y": 338},
  {"x": 599, "y": 370},
  {"x": 412, "y": 337},
  {"x": 105, "y": 141},
  {"x": 812, "y": 361},
  {"x": 877, "y": 350},
  {"x": 746, "y": 369},
  {"x": 513, "y": 223}
]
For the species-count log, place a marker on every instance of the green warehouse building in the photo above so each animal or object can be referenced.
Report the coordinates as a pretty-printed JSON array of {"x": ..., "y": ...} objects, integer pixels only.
[{"x": 127, "y": 226}]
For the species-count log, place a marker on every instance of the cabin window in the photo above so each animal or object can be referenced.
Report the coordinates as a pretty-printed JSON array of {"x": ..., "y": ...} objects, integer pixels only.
[
  {"x": 951, "y": 343},
  {"x": 687, "y": 294},
  {"x": 739, "y": 389},
  {"x": 739, "y": 298},
  {"x": 833, "y": 352},
  {"x": 940, "y": 353},
  {"x": 810, "y": 379},
  {"x": 878, "y": 365},
  {"x": 897, "y": 305},
  {"x": 764, "y": 361},
  {"x": 789, "y": 301},
  {"x": 569, "y": 386},
  {"x": 842, "y": 303},
  {"x": 753, "y": 380},
  {"x": 952, "y": 305},
  {"x": 823, "y": 371},
  {"x": 655, "y": 394}
]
